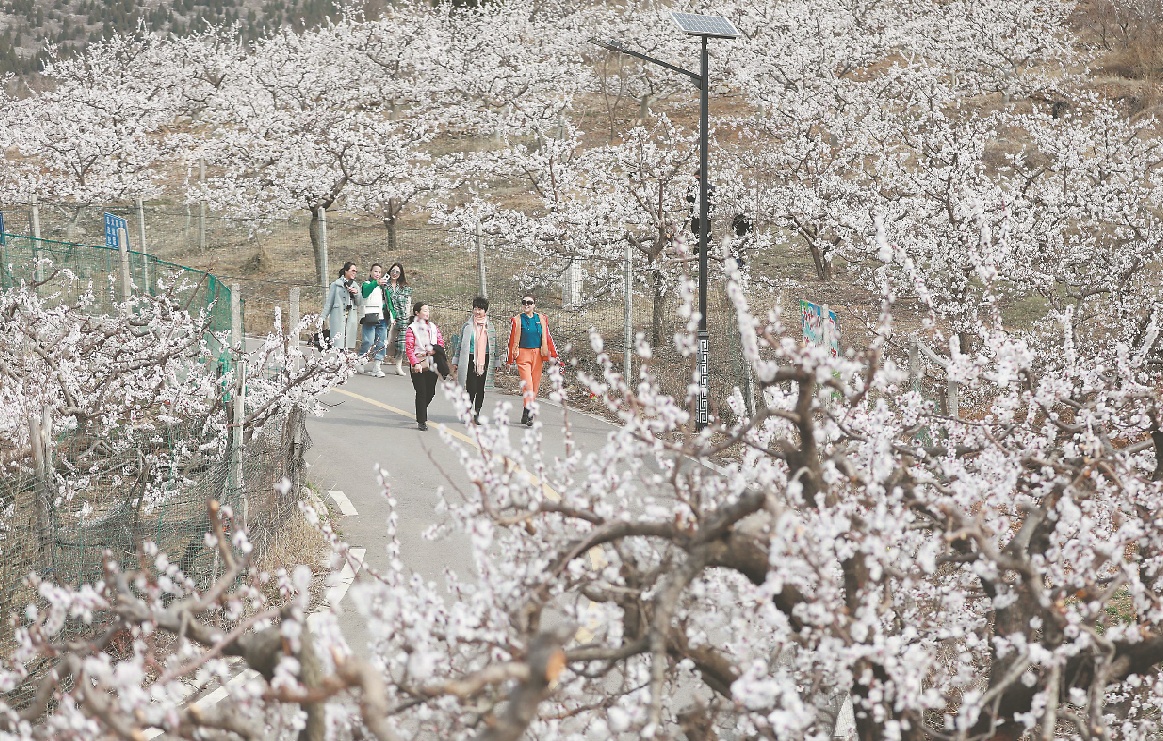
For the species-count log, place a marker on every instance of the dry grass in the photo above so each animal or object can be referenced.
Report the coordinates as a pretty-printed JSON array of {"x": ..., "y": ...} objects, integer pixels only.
[{"x": 296, "y": 542}]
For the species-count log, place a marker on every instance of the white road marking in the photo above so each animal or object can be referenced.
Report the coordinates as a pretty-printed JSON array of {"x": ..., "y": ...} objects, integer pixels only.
[
  {"x": 343, "y": 581},
  {"x": 345, "y": 505}
]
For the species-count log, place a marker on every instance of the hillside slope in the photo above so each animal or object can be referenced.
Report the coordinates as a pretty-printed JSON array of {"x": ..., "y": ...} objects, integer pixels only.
[{"x": 29, "y": 28}]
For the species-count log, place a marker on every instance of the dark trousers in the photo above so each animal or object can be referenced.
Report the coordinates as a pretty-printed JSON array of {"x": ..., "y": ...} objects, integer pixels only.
[
  {"x": 425, "y": 385},
  {"x": 475, "y": 385}
]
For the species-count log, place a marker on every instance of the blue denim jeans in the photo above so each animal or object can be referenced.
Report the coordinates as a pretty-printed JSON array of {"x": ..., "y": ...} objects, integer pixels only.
[{"x": 375, "y": 333}]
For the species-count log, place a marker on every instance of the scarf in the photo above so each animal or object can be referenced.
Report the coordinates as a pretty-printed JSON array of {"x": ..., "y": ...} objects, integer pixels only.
[
  {"x": 480, "y": 331},
  {"x": 425, "y": 334}
]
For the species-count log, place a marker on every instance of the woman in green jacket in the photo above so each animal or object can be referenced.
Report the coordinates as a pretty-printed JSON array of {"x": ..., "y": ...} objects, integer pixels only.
[{"x": 374, "y": 320}]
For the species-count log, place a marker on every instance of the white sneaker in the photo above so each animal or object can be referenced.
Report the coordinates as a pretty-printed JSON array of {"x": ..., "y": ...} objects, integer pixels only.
[{"x": 376, "y": 371}]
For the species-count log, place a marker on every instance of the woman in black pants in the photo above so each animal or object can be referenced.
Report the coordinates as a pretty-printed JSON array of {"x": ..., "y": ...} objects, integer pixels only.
[
  {"x": 420, "y": 343},
  {"x": 473, "y": 356}
]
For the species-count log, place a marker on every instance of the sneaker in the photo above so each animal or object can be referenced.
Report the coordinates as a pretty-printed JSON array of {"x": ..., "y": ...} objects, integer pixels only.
[{"x": 423, "y": 427}]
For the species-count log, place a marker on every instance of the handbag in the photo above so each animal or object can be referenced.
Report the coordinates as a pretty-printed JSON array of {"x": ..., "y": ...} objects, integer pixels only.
[
  {"x": 371, "y": 318},
  {"x": 321, "y": 340}
]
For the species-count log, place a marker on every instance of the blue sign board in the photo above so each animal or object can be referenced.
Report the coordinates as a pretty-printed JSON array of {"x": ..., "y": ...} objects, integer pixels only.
[
  {"x": 113, "y": 223},
  {"x": 821, "y": 329}
]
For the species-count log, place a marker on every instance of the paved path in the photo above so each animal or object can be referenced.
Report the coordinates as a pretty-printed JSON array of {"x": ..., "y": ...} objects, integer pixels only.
[{"x": 371, "y": 424}]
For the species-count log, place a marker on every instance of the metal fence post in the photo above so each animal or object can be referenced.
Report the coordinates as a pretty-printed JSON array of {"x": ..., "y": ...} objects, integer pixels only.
[
  {"x": 141, "y": 245},
  {"x": 4, "y": 264},
  {"x": 481, "y": 283},
  {"x": 236, "y": 339},
  {"x": 952, "y": 386},
  {"x": 126, "y": 275},
  {"x": 40, "y": 436},
  {"x": 293, "y": 319},
  {"x": 323, "y": 278},
  {"x": 202, "y": 205},
  {"x": 571, "y": 285},
  {"x": 237, "y": 442},
  {"x": 34, "y": 218},
  {"x": 915, "y": 372},
  {"x": 628, "y": 313}
]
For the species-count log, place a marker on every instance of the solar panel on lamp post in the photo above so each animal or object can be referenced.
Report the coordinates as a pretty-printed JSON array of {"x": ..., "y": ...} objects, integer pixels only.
[{"x": 704, "y": 26}]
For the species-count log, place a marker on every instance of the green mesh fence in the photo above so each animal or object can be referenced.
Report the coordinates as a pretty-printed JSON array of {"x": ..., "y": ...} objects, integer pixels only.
[
  {"x": 124, "y": 502},
  {"x": 24, "y": 259}
]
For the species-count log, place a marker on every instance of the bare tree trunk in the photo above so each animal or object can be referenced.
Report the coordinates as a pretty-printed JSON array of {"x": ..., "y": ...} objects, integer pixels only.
[
  {"x": 644, "y": 104},
  {"x": 965, "y": 339},
  {"x": 823, "y": 267},
  {"x": 71, "y": 225}
]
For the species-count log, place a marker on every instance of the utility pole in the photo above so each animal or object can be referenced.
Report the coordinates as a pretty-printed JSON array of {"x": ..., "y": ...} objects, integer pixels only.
[
  {"x": 126, "y": 270},
  {"x": 704, "y": 416},
  {"x": 703, "y": 26}
]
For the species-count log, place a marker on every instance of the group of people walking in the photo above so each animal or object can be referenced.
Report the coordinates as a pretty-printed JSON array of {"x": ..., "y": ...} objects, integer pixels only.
[
  {"x": 378, "y": 319},
  {"x": 370, "y": 316}
]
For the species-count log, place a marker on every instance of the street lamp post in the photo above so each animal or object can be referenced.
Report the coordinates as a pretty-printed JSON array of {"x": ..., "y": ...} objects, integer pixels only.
[{"x": 704, "y": 26}]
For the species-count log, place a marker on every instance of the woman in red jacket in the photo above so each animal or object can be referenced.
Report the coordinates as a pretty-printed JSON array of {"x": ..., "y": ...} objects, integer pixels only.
[{"x": 420, "y": 343}]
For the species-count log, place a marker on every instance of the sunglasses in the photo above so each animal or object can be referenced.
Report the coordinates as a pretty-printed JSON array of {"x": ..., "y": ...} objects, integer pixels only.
[{"x": 526, "y": 303}]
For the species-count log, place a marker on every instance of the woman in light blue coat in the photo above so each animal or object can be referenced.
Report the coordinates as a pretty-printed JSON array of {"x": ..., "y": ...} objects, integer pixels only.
[
  {"x": 473, "y": 355},
  {"x": 342, "y": 309}
]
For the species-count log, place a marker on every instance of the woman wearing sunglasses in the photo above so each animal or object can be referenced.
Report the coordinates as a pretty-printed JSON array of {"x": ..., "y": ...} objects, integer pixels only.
[{"x": 530, "y": 345}]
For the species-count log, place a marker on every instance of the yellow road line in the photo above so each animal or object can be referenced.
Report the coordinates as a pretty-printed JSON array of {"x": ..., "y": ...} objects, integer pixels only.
[{"x": 550, "y": 493}]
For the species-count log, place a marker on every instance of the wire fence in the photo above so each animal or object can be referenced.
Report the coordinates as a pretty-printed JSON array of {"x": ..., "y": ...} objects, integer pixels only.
[
  {"x": 122, "y": 496},
  {"x": 27, "y": 260}
]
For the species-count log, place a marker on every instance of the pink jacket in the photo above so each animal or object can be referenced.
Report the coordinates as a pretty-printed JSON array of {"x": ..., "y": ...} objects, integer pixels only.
[{"x": 410, "y": 344}]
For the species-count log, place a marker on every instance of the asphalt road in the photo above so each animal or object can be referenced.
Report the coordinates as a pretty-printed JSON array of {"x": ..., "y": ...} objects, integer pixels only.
[{"x": 371, "y": 424}]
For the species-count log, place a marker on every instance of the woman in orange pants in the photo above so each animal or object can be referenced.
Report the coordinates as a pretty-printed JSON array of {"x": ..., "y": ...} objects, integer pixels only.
[{"x": 530, "y": 345}]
